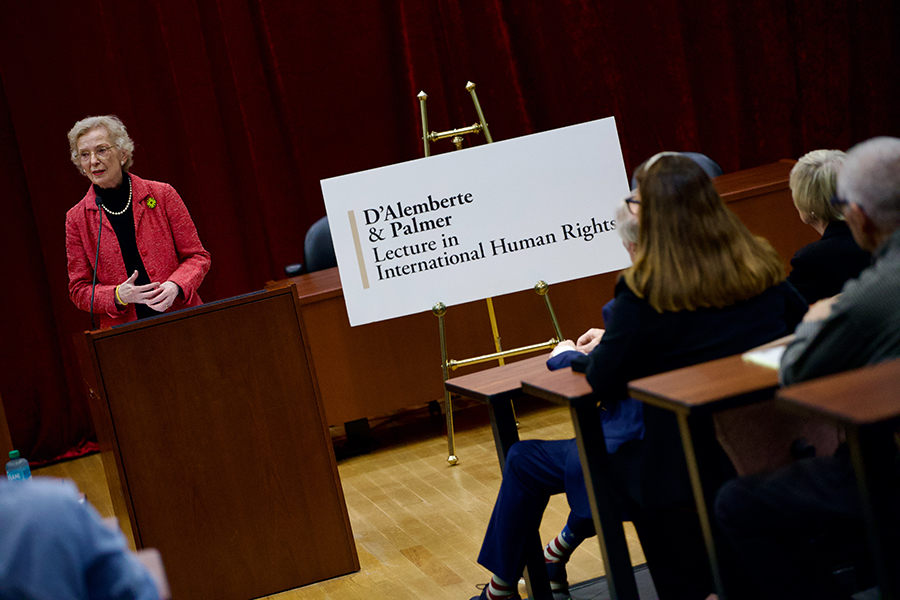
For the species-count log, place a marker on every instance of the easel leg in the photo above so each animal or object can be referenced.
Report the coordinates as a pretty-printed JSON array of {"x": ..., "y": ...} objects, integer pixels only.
[
  {"x": 496, "y": 332},
  {"x": 439, "y": 310},
  {"x": 451, "y": 438}
]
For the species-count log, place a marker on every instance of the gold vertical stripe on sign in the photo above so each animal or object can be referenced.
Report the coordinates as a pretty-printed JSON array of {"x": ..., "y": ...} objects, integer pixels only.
[{"x": 359, "y": 257}]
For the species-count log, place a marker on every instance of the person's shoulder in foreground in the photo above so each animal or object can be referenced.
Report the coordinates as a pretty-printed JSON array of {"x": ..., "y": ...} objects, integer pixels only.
[{"x": 54, "y": 547}]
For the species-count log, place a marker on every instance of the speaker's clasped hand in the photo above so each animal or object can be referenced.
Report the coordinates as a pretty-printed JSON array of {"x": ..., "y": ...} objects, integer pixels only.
[
  {"x": 164, "y": 296},
  {"x": 128, "y": 293}
]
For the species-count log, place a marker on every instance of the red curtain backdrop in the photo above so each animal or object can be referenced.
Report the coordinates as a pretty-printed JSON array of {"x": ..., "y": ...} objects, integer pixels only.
[{"x": 244, "y": 105}]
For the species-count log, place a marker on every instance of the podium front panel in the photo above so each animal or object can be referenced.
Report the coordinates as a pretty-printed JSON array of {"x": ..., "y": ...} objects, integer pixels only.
[{"x": 222, "y": 450}]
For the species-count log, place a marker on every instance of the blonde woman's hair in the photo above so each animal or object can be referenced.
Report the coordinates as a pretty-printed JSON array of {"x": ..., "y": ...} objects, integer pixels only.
[
  {"x": 814, "y": 181},
  {"x": 693, "y": 252},
  {"x": 118, "y": 135}
]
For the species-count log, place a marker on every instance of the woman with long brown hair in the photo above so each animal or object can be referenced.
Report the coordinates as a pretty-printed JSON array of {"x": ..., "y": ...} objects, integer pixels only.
[{"x": 701, "y": 287}]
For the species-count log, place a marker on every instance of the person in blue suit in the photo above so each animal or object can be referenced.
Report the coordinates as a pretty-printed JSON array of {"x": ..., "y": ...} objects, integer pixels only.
[{"x": 54, "y": 546}]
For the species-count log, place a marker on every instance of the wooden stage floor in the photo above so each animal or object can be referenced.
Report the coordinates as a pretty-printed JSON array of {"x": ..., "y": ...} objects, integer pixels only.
[{"x": 418, "y": 522}]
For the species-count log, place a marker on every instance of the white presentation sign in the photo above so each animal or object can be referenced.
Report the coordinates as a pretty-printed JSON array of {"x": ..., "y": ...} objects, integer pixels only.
[{"x": 480, "y": 222}]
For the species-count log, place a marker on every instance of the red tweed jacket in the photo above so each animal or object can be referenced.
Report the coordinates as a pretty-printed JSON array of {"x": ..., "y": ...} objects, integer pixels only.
[{"x": 166, "y": 239}]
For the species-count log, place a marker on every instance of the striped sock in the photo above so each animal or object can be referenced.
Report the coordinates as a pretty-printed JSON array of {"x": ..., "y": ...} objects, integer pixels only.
[
  {"x": 556, "y": 555},
  {"x": 558, "y": 549},
  {"x": 498, "y": 589}
]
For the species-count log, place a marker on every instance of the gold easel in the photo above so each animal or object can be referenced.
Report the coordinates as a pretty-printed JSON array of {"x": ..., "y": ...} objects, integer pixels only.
[{"x": 541, "y": 288}]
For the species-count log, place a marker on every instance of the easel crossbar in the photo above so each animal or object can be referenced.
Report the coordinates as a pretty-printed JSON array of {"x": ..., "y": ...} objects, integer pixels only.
[{"x": 455, "y": 364}]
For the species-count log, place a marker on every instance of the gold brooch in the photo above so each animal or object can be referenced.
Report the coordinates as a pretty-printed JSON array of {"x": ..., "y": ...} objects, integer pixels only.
[{"x": 151, "y": 202}]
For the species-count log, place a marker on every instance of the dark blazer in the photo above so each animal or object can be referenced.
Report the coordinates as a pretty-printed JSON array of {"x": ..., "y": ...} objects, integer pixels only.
[
  {"x": 819, "y": 270},
  {"x": 640, "y": 341}
]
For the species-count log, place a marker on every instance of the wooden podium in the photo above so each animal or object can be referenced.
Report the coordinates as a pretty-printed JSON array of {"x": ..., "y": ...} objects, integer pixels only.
[{"x": 215, "y": 446}]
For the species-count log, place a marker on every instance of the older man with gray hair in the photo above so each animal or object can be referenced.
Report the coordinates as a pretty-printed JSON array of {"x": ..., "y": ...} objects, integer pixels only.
[{"x": 771, "y": 518}]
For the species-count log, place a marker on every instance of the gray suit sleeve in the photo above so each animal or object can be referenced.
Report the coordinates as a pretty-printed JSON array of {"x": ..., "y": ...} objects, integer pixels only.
[
  {"x": 838, "y": 343},
  {"x": 795, "y": 352}
]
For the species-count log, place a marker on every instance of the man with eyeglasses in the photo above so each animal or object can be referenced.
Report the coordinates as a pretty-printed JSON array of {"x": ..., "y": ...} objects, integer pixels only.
[{"x": 771, "y": 518}]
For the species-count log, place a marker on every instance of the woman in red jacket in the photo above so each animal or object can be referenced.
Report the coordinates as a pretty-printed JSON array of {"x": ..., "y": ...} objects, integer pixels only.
[{"x": 150, "y": 258}]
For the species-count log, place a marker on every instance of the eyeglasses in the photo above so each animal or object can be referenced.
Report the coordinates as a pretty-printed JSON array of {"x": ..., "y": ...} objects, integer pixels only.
[
  {"x": 633, "y": 204},
  {"x": 101, "y": 153},
  {"x": 839, "y": 203}
]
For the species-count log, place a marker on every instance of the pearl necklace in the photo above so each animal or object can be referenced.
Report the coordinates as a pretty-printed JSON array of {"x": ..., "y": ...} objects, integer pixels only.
[{"x": 128, "y": 204}]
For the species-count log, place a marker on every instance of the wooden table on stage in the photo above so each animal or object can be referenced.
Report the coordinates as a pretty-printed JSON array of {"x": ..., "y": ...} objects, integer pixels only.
[
  {"x": 498, "y": 387},
  {"x": 358, "y": 368},
  {"x": 216, "y": 450},
  {"x": 694, "y": 393},
  {"x": 867, "y": 404},
  {"x": 571, "y": 389}
]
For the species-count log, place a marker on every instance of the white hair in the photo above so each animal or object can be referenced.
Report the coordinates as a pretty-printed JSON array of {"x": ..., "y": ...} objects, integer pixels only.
[
  {"x": 118, "y": 135},
  {"x": 870, "y": 178},
  {"x": 627, "y": 225}
]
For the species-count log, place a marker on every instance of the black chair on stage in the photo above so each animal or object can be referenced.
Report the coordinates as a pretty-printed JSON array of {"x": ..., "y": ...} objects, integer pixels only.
[{"x": 318, "y": 250}]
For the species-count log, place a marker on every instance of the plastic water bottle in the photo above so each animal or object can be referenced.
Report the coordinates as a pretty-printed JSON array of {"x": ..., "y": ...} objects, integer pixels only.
[{"x": 17, "y": 468}]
